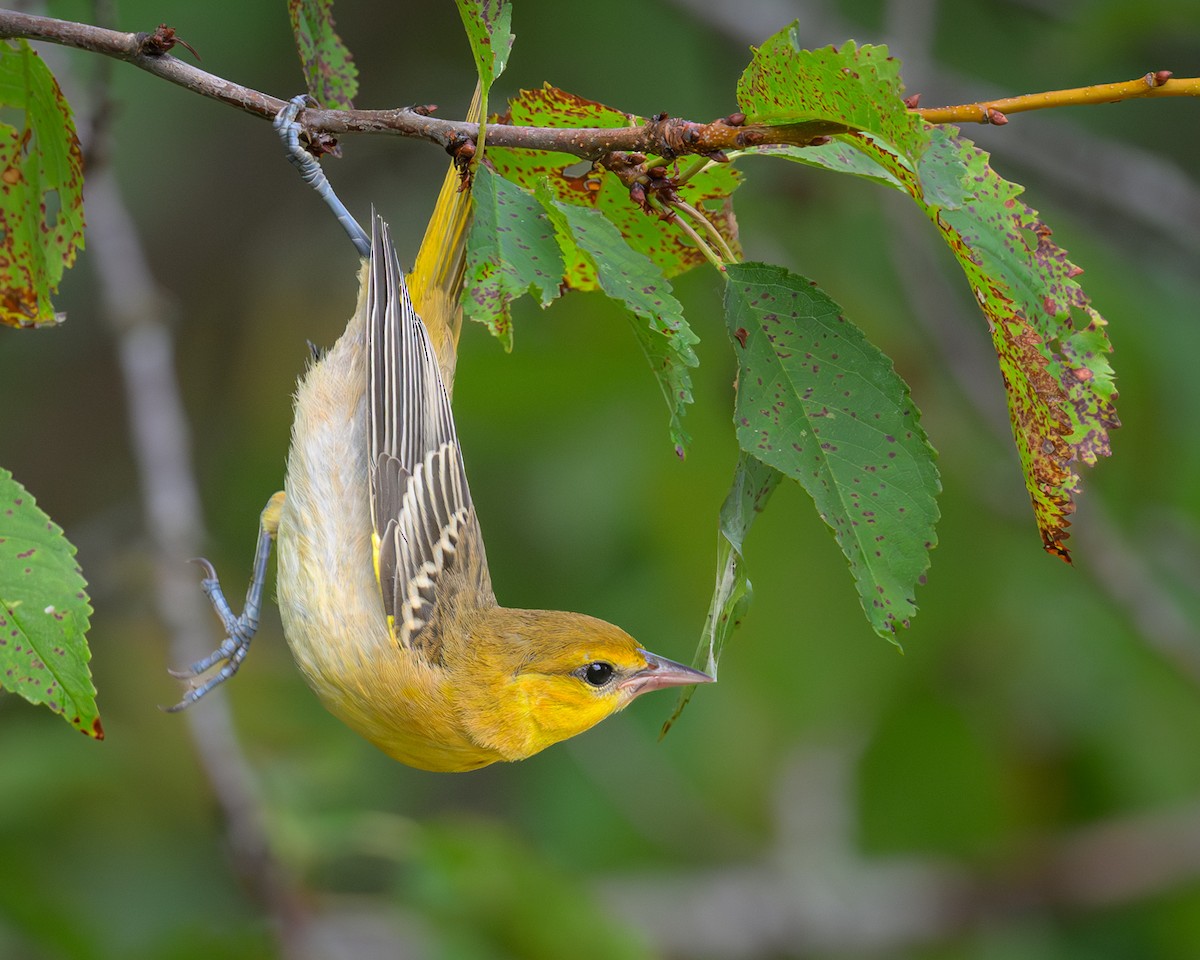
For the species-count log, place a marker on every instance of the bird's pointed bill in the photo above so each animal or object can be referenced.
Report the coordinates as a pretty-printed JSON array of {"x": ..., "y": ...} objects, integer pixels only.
[{"x": 660, "y": 672}]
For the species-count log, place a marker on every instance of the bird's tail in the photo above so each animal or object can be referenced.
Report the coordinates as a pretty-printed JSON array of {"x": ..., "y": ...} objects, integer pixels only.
[{"x": 436, "y": 281}]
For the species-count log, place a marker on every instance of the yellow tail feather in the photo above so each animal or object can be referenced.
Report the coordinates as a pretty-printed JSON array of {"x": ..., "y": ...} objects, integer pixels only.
[{"x": 436, "y": 281}]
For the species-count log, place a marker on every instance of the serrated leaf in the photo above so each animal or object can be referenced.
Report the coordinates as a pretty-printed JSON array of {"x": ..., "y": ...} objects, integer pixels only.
[
  {"x": 665, "y": 244},
  {"x": 855, "y": 86},
  {"x": 44, "y": 613},
  {"x": 329, "y": 70},
  {"x": 820, "y": 403},
  {"x": 753, "y": 484},
  {"x": 41, "y": 189},
  {"x": 488, "y": 25},
  {"x": 511, "y": 251},
  {"x": 1049, "y": 339},
  {"x": 836, "y": 155},
  {"x": 634, "y": 280}
]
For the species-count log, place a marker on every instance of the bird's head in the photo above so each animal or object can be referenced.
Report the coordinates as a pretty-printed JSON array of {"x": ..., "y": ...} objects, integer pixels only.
[{"x": 554, "y": 675}]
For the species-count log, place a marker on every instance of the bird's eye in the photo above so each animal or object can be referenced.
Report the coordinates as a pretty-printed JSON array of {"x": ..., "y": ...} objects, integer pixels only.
[{"x": 597, "y": 673}]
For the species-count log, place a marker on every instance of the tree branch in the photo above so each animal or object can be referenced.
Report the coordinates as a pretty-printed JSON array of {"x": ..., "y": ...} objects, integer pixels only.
[
  {"x": 1160, "y": 84},
  {"x": 663, "y": 136},
  {"x": 137, "y": 311}
]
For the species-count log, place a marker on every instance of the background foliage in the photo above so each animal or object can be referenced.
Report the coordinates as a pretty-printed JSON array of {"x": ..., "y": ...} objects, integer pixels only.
[{"x": 829, "y": 797}]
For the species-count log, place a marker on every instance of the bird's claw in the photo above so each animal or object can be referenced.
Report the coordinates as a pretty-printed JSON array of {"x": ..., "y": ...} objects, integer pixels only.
[{"x": 229, "y": 655}]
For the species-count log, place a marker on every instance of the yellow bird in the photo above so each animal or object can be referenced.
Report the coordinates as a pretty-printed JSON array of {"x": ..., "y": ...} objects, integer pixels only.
[{"x": 383, "y": 583}]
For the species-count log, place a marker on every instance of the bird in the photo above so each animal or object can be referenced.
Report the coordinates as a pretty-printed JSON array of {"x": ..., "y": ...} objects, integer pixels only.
[{"x": 383, "y": 584}]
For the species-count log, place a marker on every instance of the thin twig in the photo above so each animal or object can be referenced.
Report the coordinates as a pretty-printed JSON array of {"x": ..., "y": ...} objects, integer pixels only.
[
  {"x": 667, "y": 137},
  {"x": 135, "y": 309},
  {"x": 1159, "y": 84}
]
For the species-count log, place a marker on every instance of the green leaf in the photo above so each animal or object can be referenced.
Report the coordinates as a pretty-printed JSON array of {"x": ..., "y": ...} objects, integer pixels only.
[
  {"x": 329, "y": 70},
  {"x": 488, "y": 25},
  {"x": 631, "y": 278},
  {"x": 41, "y": 189},
  {"x": 664, "y": 243},
  {"x": 511, "y": 250},
  {"x": 753, "y": 484},
  {"x": 820, "y": 403},
  {"x": 44, "y": 612},
  {"x": 853, "y": 86},
  {"x": 836, "y": 155},
  {"x": 1049, "y": 339}
]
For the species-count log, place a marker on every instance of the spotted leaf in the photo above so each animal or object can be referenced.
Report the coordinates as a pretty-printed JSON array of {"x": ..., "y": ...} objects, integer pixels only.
[
  {"x": 631, "y": 278},
  {"x": 818, "y": 402},
  {"x": 44, "y": 612},
  {"x": 329, "y": 70},
  {"x": 572, "y": 182},
  {"x": 853, "y": 86},
  {"x": 511, "y": 251},
  {"x": 41, "y": 189},
  {"x": 1050, "y": 341}
]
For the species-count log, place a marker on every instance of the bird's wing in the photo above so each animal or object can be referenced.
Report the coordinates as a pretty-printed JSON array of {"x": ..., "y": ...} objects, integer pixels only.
[{"x": 428, "y": 549}]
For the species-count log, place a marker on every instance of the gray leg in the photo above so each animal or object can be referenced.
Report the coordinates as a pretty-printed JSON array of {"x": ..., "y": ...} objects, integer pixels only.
[
  {"x": 239, "y": 630},
  {"x": 314, "y": 176}
]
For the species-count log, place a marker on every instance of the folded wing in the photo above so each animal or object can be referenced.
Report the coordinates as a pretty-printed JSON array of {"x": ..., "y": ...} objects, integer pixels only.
[{"x": 429, "y": 548}]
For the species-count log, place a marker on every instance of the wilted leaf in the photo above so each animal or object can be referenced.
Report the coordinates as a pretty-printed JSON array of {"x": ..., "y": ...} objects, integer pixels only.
[
  {"x": 753, "y": 484},
  {"x": 41, "y": 189},
  {"x": 820, "y": 403},
  {"x": 1050, "y": 340},
  {"x": 44, "y": 612}
]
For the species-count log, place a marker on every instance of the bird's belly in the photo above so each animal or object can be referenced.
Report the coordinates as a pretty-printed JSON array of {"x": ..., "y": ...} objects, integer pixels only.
[{"x": 328, "y": 594}]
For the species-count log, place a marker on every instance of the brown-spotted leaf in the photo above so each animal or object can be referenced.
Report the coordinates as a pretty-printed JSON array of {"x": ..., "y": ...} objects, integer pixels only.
[
  {"x": 820, "y": 403},
  {"x": 41, "y": 189},
  {"x": 1050, "y": 341},
  {"x": 511, "y": 251},
  {"x": 488, "y": 26},
  {"x": 850, "y": 85},
  {"x": 573, "y": 183},
  {"x": 44, "y": 612},
  {"x": 329, "y": 69}
]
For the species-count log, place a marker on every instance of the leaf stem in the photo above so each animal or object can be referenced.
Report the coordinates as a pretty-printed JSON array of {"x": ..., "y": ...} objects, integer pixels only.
[
  {"x": 698, "y": 240},
  {"x": 697, "y": 166},
  {"x": 727, "y": 254}
]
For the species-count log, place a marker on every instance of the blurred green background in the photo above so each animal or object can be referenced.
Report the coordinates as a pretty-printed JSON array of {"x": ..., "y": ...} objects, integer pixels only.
[{"x": 1024, "y": 782}]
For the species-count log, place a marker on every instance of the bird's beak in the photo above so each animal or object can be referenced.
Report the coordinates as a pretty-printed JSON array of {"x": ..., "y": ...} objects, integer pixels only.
[{"x": 660, "y": 672}]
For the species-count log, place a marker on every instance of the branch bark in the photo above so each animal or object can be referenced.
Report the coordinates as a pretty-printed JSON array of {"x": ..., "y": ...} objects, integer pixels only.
[
  {"x": 137, "y": 312},
  {"x": 663, "y": 136}
]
